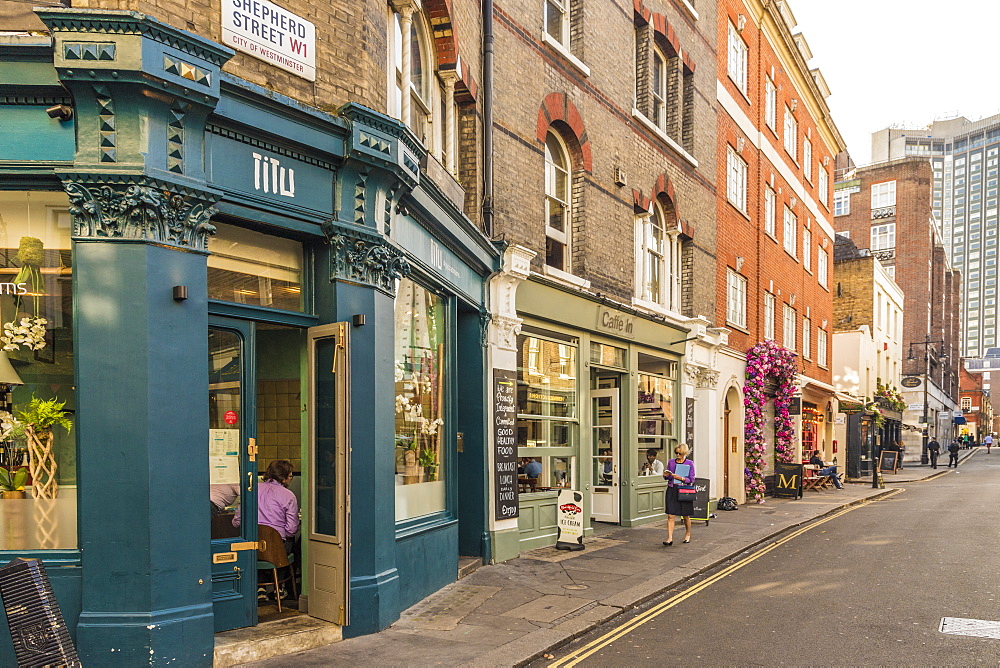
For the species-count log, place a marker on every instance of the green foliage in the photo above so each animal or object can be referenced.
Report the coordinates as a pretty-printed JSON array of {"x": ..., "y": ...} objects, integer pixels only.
[
  {"x": 42, "y": 414},
  {"x": 13, "y": 483}
]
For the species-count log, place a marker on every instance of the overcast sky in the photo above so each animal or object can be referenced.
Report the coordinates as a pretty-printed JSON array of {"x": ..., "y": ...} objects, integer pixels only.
[{"x": 902, "y": 62}]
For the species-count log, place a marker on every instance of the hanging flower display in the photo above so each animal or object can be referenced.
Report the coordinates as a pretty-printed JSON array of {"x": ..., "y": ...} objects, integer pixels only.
[{"x": 767, "y": 360}]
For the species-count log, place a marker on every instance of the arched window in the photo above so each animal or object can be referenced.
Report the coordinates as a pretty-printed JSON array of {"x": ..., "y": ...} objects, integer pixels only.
[
  {"x": 428, "y": 106},
  {"x": 558, "y": 214},
  {"x": 658, "y": 270}
]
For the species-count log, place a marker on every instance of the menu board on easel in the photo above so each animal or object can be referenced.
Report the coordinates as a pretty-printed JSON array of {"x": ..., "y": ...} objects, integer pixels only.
[{"x": 224, "y": 456}]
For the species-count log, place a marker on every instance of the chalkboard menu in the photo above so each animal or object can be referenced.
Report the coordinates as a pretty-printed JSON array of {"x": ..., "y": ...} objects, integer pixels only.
[
  {"x": 787, "y": 480},
  {"x": 505, "y": 443},
  {"x": 888, "y": 461},
  {"x": 701, "y": 499}
]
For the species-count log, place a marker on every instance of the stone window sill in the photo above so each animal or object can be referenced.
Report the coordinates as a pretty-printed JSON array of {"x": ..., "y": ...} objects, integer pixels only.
[
  {"x": 564, "y": 52},
  {"x": 677, "y": 148},
  {"x": 565, "y": 277}
]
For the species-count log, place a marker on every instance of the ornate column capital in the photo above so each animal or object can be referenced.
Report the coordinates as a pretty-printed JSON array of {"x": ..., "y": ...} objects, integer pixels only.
[
  {"x": 137, "y": 208},
  {"x": 359, "y": 255}
]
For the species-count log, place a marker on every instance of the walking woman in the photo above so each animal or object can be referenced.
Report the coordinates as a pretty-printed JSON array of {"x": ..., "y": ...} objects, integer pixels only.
[{"x": 679, "y": 471}]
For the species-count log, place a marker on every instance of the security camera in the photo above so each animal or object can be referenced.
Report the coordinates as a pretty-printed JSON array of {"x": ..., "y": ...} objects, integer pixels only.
[{"x": 63, "y": 112}]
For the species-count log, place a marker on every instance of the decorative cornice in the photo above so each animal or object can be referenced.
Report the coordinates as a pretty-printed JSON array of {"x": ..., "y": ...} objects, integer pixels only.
[
  {"x": 113, "y": 22},
  {"x": 359, "y": 255},
  {"x": 363, "y": 115},
  {"x": 139, "y": 209},
  {"x": 36, "y": 99},
  {"x": 244, "y": 138}
]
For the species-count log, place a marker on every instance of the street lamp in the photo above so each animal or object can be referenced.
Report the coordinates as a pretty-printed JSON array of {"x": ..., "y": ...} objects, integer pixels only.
[{"x": 927, "y": 418}]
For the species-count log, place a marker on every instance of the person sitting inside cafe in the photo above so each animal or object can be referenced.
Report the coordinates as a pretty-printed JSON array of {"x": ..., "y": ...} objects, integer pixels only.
[
  {"x": 530, "y": 468},
  {"x": 222, "y": 496},
  {"x": 607, "y": 465},
  {"x": 277, "y": 506},
  {"x": 823, "y": 469},
  {"x": 653, "y": 466}
]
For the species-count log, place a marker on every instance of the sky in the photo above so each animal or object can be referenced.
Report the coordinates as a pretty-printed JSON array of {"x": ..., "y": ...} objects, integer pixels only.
[{"x": 901, "y": 63}]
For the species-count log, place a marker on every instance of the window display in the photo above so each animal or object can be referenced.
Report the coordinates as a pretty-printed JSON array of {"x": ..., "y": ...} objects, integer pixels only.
[
  {"x": 37, "y": 384},
  {"x": 420, "y": 373},
  {"x": 547, "y": 422},
  {"x": 656, "y": 382},
  {"x": 248, "y": 267}
]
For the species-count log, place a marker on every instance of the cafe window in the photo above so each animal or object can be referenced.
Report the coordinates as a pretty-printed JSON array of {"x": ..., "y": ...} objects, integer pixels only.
[
  {"x": 607, "y": 355},
  {"x": 656, "y": 412},
  {"x": 547, "y": 420},
  {"x": 249, "y": 267},
  {"x": 421, "y": 377},
  {"x": 36, "y": 312}
]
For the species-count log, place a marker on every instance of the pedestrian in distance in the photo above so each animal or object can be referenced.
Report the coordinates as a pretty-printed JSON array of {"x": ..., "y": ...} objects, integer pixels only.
[
  {"x": 933, "y": 449},
  {"x": 953, "y": 449},
  {"x": 679, "y": 471},
  {"x": 988, "y": 442}
]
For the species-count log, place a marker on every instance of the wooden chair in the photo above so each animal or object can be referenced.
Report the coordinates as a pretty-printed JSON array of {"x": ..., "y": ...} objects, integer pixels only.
[
  {"x": 271, "y": 556},
  {"x": 812, "y": 480}
]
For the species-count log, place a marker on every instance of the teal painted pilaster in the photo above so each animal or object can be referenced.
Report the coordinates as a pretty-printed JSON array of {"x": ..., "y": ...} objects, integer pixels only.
[{"x": 142, "y": 421}]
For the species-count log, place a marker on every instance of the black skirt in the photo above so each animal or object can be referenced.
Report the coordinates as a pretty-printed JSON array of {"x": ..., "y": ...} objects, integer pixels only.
[{"x": 677, "y": 507}]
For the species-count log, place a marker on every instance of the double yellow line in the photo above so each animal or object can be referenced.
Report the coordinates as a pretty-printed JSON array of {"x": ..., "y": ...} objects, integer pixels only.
[{"x": 657, "y": 610}]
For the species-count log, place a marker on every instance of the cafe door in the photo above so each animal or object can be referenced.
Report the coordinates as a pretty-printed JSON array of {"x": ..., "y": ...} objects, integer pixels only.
[
  {"x": 329, "y": 479},
  {"x": 233, "y": 471},
  {"x": 605, "y": 494}
]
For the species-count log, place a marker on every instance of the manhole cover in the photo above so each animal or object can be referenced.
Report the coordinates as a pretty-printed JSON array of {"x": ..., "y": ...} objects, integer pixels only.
[
  {"x": 979, "y": 628},
  {"x": 576, "y": 587}
]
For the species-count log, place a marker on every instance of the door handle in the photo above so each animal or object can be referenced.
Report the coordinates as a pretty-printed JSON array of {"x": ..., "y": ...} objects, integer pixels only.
[{"x": 250, "y": 481}]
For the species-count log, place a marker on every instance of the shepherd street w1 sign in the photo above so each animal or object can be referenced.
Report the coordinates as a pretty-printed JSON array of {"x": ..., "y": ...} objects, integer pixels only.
[{"x": 270, "y": 33}]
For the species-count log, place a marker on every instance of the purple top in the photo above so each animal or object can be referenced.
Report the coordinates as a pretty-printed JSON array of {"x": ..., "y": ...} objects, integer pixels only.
[
  {"x": 277, "y": 508},
  {"x": 672, "y": 468}
]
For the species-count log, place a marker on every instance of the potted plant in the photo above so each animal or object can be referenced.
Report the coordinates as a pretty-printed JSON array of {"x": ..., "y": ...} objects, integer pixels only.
[
  {"x": 12, "y": 482},
  {"x": 38, "y": 418}
]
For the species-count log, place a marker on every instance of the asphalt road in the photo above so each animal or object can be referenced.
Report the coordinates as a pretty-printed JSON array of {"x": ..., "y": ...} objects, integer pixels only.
[{"x": 866, "y": 586}]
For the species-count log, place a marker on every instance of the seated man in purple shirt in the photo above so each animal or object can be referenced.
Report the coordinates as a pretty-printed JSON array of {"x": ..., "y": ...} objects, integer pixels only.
[{"x": 277, "y": 506}]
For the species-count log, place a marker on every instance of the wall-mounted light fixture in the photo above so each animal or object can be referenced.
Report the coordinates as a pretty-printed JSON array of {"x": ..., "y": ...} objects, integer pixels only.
[
  {"x": 63, "y": 112},
  {"x": 180, "y": 293},
  {"x": 358, "y": 319}
]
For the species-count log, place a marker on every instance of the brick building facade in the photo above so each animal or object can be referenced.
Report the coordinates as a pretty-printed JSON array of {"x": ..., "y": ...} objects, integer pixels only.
[
  {"x": 886, "y": 208},
  {"x": 605, "y": 176},
  {"x": 774, "y": 160}
]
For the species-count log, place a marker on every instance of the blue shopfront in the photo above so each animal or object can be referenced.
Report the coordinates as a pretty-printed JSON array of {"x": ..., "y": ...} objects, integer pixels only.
[{"x": 217, "y": 278}]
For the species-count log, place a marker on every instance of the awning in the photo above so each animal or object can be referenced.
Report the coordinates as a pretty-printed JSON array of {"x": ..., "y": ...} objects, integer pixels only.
[{"x": 960, "y": 420}]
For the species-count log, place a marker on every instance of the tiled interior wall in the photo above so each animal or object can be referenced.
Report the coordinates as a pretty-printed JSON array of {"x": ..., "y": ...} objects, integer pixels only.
[{"x": 279, "y": 422}]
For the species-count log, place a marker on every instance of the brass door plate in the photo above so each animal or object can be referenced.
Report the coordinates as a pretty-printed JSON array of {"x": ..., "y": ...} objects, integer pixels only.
[
  {"x": 223, "y": 557},
  {"x": 238, "y": 547}
]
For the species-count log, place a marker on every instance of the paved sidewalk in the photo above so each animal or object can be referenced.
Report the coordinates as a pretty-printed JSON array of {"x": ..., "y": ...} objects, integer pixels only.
[{"x": 512, "y": 613}]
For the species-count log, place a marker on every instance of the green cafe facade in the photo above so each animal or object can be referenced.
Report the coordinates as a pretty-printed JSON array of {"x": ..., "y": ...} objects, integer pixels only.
[{"x": 227, "y": 278}]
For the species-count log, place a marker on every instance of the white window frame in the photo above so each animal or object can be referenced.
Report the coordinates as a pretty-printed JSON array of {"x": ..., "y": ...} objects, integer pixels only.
[
  {"x": 807, "y": 159},
  {"x": 736, "y": 180},
  {"x": 883, "y": 194},
  {"x": 664, "y": 256},
  {"x": 790, "y": 229},
  {"x": 736, "y": 298},
  {"x": 771, "y": 104},
  {"x": 737, "y": 60},
  {"x": 562, "y": 8},
  {"x": 806, "y": 338},
  {"x": 821, "y": 347},
  {"x": 842, "y": 202},
  {"x": 770, "y": 211},
  {"x": 564, "y": 236},
  {"x": 791, "y": 137},
  {"x": 883, "y": 237},
  {"x": 824, "y": 185},
  {"x": 658, "y": 101},
  {"x": 788, "y": 321},
  {"x": 822, "y": 267},
  {"x": 769, "y": 316},
  {"x": 806, "y": 249}
]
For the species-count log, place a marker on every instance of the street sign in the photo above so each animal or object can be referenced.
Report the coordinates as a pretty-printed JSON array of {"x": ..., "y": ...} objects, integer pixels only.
[{"x": 914, "y": 407}]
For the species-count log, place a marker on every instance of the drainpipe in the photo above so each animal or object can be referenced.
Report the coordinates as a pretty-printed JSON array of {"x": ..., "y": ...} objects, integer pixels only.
[{"x": 487, "y": 210}]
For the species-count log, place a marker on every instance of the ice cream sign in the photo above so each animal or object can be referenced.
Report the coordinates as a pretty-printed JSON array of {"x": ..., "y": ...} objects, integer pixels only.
[{"x": 266, "y": 31}]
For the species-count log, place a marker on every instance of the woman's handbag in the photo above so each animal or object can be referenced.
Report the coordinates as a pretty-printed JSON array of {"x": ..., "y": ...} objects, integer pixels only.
[{"x": 686, "y": 493}]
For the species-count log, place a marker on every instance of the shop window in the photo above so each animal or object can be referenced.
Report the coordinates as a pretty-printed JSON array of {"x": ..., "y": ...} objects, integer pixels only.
[
  {"x": 547, "y": 420},
  {"x": 421, "y": 382},
  {"x": 248, "y": 267},
  {"x": 36, "y": 279},
  {"x": 656, "y": 420},
  {"x": 607, "y": 355}
]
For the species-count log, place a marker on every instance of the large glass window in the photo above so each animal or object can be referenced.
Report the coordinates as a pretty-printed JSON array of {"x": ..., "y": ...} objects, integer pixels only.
[
  {"x": 36, "y": 311},
  {"x": 656, "y": 426},
  {"x": 883, "y": 194},
  {"x": 547, "y": 420},
  {"x": 421, "y": 382},
  {"x": 249, "y": 267}
]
